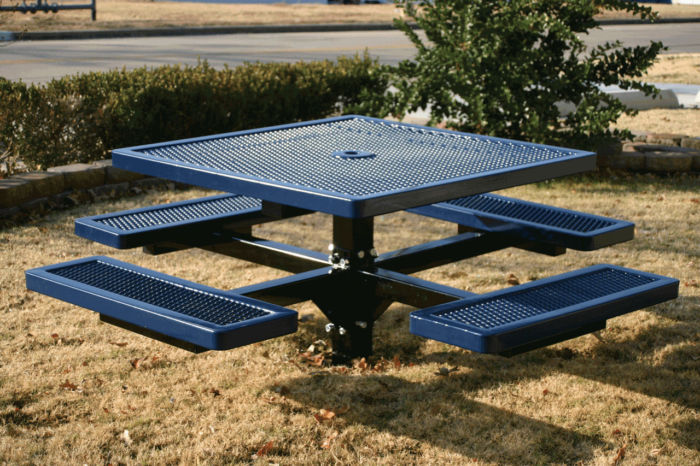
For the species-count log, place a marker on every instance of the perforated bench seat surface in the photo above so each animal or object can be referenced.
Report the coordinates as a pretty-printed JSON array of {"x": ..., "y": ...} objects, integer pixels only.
[
  {"x": 178, "y": 309},
  {"x": 532, "y": 221},
  {"x": 544, "y": 311},
  {"x": 138, "y": 227}
]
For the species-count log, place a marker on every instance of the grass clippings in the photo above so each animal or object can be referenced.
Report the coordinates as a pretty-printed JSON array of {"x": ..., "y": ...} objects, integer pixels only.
[
  {"x": 117, "y": 14},
  {"x": 77, "y": 391}
]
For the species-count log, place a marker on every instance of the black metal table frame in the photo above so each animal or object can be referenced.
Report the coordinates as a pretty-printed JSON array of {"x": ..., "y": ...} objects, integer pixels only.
[{"x": 376, "y": 280}]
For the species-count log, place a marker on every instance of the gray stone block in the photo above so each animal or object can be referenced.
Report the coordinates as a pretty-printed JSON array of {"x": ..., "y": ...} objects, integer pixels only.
[
  {"x": 662, "y": 161},
  {"x": 14, "y": 191},
  {"x": 606, "y": 151},
  {"x": 668, "y": 139},
  {"x": 81, "y": 175},
  {"x": 691, "y": 143},
  {"x": 44, "y": 183},
  {"x": 629, "y": 160},
  {"x": 117, "y": 175},
  {"x": 104, "y": 163}
]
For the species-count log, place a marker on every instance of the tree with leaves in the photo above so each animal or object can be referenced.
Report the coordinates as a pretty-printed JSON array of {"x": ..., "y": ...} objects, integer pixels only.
[{"x": 499, "y": 67}]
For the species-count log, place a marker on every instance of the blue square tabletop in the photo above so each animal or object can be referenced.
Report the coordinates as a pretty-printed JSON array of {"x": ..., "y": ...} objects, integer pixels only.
[{"x": 353, "y": 166}]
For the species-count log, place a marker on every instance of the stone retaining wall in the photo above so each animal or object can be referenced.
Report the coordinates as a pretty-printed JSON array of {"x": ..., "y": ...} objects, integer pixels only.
[
  {"x": 660, "y": 153},
  {"x": 69, "y": 185}
]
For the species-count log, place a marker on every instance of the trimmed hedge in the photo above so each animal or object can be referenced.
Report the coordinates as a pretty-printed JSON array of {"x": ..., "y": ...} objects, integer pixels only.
[{"x": 81, "y": 118}]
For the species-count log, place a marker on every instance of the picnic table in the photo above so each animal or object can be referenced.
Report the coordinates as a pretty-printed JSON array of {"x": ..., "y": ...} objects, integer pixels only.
[{"x": 353, "y": 168}]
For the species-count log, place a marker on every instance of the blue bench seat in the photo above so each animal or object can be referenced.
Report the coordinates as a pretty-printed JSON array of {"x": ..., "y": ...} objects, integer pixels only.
[
  {"x": 165, "y": 222},
  {"x": 531, "y": 221},
  {"x": 179, "y": 312},
  {"x": 542, "y": 312}
]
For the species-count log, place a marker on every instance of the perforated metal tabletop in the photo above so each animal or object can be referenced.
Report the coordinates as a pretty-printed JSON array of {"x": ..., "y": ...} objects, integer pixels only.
[{"x": 353, "y": 166}]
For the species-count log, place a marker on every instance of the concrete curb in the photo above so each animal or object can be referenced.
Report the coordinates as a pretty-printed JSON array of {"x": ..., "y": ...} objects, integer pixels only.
[
  {"x": 261, "y": 29},
  {"x": 200, "y": 31}
]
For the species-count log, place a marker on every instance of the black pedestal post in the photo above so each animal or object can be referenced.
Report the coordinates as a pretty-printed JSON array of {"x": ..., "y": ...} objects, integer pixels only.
[{"x": 351, "y": 302}]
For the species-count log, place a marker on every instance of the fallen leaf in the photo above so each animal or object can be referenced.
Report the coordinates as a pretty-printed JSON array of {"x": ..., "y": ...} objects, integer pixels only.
[
  {"x": 361, "y": 364},
  {"x": 617, "y": 432},
  {"x": 312, "y": 360},
  {"x": 324, "y": 415},
  {"x": 692, "y": 283},
  {"x": 135, "y": 363},
  {"x": 695, "y": 201},
  {"x": 397, "y": 362},
  {"x": 54, "y": 336},
  {"x": 121, "y": 344},
  {"x": 380, "y": 366},
  {"x": 214, "y": 391},
  {"x": 68, "y": 386},
  {"x": 620, "y": 455},
  {"x": 84, "y": 364},
  {"x": 105, "y": 410},
  {"x": 545, "y": 391},
  {"x": 264, "y": 450},
  {"x": 327, "y": 441},
  {"x": 512, "y": 279}
]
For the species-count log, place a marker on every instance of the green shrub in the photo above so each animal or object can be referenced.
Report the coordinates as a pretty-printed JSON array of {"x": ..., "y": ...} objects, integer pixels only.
[
  {"x": 498, "y": 67},
  {"x": 81, "y": 118}
]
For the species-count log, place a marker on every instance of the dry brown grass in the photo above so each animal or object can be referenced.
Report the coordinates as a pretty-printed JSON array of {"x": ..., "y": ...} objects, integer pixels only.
[
  {"x": 113, "y": 14},
  {"x": 69, "y": 390},
  {"x": 680, "y": 121},
  {"x": 681, "y": 68}
]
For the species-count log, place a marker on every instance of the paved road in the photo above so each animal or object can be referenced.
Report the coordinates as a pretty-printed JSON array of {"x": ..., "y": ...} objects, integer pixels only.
[{"x": 39, "y": 61}]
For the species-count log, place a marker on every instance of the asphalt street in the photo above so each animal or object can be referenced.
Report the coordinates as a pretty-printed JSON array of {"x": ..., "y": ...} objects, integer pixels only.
[{"x": 40, "y": 61}]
